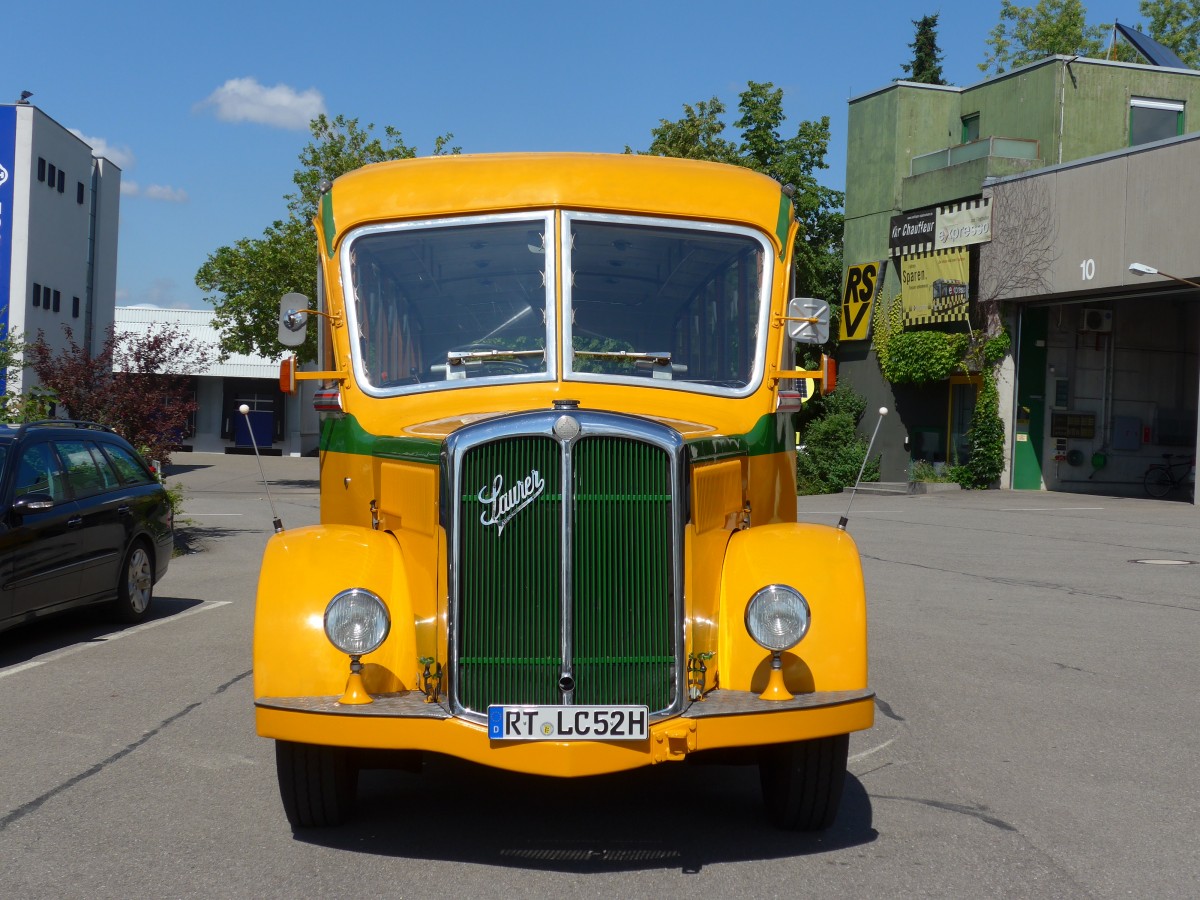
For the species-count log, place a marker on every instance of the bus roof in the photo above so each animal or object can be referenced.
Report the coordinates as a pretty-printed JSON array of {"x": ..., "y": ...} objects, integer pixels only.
[{"x": 438, "y": 186}]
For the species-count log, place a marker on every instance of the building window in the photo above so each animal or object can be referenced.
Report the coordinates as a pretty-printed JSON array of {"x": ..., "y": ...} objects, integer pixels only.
[
  {"x": 37, "y": 294},
  {"x": 41, "y": 169},
  {"x": 970, "y": 128},
  {"x": 1153, "y": 120},
  {"x": 46, "y": 296},
  {"x": 57, "y": 300},
  {"x": 52, "y": 178},
  {"x": 62, "y": 181},
  {"x": 79, "y": 192},
  {"x": 74, "y": 307}
]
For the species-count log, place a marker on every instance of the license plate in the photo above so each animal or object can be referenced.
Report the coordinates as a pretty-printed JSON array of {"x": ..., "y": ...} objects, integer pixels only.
[{"x": 567, "y": 723}]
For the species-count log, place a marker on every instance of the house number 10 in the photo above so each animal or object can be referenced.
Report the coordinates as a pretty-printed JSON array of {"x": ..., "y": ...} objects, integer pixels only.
[{"x": 1087, "y": 269}]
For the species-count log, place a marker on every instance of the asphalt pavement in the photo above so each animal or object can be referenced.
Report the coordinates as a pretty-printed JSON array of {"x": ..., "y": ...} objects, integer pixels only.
[{"x": 1033, "y": 656}]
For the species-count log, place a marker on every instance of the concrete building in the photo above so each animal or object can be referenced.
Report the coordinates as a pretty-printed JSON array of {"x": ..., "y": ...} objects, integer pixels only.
[
  {"x": 1022, "y": 201},
  {"x": 59, "y": 208}
]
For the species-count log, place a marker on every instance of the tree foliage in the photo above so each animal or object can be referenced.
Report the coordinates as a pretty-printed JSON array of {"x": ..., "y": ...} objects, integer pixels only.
[
  {"x": 790, "y": 160},
  {"x": 245, "y": 280},
  {"x": 135, "y": 384},
  {"x": 1175, "y": 24},
  {"x": 16, "y": 407},
  {"x": 833, "y": 451},
  {"x": 926, "y": 67},
  {"x": 1026, "y": 34}
]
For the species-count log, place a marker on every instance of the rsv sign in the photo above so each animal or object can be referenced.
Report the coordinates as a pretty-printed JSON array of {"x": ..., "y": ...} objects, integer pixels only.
[{"x": 864, "y": 282}]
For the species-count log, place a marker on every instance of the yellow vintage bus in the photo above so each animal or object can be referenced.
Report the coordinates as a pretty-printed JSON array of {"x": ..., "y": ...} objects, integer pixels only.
[{"x": 558, "y": 509}]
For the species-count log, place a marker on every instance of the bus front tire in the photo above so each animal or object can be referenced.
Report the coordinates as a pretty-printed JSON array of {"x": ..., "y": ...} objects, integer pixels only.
[
  {"x": 802, "y": 782},
  {"x": 317, "y": 784}
]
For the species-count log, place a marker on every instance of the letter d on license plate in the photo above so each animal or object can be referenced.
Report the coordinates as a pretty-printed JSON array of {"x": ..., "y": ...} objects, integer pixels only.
[{"x": 567, "y": 723}]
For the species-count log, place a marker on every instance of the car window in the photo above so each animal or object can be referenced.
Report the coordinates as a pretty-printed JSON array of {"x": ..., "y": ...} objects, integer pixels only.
[
  {"x": 82, "y": 472},
  {"x": 132, "y": 471},
  {"x": 107, "y": 473},
  {"x": 38, "y": 473}
]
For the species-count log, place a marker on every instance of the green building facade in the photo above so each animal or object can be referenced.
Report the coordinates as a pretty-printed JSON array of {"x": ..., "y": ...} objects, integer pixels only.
[{"x": 1013, "y": 178}]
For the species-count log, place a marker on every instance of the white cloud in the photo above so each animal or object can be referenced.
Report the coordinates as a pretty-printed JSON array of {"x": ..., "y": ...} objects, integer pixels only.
[
  {"x": 281, "y": 106},
  {"x": 122, "y": 156},
  {"x": 154, "y": 192},
  {"x": 166, "y": 192}
]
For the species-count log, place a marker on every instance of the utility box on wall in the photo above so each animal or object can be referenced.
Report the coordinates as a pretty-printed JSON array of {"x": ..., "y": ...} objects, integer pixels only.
[{"x": 1127, "y": 433}]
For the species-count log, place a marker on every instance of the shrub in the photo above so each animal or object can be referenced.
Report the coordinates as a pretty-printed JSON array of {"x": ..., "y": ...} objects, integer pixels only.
[{"x": 833, "y": 451}]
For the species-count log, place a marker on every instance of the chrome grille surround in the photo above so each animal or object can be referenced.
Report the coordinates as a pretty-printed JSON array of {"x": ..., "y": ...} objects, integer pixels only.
[{"x": 560, "y": 434}]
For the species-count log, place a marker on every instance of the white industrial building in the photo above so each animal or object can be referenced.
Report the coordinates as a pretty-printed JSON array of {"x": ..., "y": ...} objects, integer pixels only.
[{"x": 59, "y": 209}]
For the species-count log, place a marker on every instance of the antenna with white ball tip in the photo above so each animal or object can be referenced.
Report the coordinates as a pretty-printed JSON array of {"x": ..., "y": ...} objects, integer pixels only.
[
  {"x": 883, "y": 411},
  {"x": 244, "y": 409}
]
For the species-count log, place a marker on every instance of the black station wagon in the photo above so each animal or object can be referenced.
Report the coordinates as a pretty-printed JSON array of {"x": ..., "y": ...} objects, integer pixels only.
[{"x": 85, "y": 520}]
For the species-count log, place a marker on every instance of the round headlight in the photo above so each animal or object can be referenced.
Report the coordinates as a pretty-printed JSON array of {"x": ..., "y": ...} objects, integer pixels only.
[
  {"x": 356, "y": 621},
  {"x": 777, "y": 617}
]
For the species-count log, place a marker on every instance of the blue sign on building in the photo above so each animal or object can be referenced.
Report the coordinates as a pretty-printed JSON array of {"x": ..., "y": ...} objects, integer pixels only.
[{"x": 8, "y": 153}]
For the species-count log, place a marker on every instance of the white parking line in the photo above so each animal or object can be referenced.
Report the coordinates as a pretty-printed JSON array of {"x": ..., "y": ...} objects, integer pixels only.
[
  {"x": 857, "y": 756},
  {"x": 104, "y": 639}
]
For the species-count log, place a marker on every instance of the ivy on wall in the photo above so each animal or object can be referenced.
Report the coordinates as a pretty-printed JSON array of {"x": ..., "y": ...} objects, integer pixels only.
[{"x": 925, "y": 357}]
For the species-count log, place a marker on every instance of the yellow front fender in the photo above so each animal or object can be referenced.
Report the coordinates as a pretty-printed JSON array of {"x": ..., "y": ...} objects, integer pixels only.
[
  {"x": 302, "y": 570},
  {"x": 822, "y": 563}
]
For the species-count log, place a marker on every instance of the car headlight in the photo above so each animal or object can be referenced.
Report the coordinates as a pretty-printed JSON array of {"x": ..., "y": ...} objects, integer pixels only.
[
  {"x": 777, "y": 617},
  {"x": 356, "y": 621}
]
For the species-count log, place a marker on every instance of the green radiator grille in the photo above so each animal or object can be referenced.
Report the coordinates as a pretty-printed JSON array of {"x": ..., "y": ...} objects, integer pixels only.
[{"x": 619, "y": 647}]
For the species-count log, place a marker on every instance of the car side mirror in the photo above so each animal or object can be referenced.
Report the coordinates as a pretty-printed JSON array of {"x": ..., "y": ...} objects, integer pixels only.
[
  {"x": 808, "y": 320},
  {"x": 28, "y": 503},
  {"x": 293, "y": 319}
]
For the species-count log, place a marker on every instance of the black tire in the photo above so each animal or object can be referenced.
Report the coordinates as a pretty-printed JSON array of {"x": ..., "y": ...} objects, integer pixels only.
[
  {"x": 802, "y": 782},
  {"x": 135, "y": 585},
  {"x": 317, "y": 784},
  {"x": 1158, "y": 482}
]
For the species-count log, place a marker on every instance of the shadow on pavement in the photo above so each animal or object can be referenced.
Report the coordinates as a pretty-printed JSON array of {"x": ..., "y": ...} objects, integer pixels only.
[
  {"x": 89, "y": 624},
  {"x": 672, "y": 816}
]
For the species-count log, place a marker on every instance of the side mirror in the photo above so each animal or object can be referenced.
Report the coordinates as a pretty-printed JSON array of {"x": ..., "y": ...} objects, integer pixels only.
[
  {"x": 28, "y": 503},
  {"x": 293, "y": 319},
  {"x": 808, "y": 320}
]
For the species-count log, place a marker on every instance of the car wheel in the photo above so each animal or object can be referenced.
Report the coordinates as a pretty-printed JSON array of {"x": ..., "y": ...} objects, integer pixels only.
[
  {"x": 802, "y": 782},
  {"x": 135, "y": 589},
  {"x": 317, "y": 784}
]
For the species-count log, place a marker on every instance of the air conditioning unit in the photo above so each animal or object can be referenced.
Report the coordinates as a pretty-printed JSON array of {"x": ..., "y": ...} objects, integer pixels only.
[{"x": 1097, "y": 320}]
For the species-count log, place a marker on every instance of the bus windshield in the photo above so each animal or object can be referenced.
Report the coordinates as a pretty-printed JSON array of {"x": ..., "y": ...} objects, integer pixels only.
[{"x": 468, "y": 302}]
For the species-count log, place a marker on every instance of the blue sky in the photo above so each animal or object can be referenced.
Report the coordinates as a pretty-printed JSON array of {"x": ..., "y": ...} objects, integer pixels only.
[{"x": 205, "y": 106}]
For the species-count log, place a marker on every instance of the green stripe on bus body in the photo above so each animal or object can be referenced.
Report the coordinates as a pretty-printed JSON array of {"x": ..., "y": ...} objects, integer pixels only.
[{"x": 772, "y": 433}]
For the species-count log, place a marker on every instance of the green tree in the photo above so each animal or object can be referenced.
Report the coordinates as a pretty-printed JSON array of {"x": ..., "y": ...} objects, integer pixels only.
[
  {"x": 1175, "y": 24},
  {"x": 244, "y": 281},
  {"x": 16, "y": 407},
  {"x": 926, "y": 67},
  {"x": 1026, "y": 34},
  {"x": 792, "y": 160}
]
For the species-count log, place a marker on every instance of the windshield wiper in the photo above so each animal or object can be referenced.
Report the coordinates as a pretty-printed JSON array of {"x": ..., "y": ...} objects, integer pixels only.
[
  {"x": 458, "y": 357},
  {"x": 634, "y": 356}
]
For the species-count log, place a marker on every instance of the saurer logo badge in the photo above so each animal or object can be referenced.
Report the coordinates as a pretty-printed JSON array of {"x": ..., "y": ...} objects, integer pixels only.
[{"x": 500, "y": 505}]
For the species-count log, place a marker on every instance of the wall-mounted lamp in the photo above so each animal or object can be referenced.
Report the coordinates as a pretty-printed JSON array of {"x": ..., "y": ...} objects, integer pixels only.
[{"x": 1143, "y": 269}]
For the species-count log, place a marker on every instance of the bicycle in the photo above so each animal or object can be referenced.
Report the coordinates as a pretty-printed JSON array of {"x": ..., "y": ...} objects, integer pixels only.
[{"x": 1161, "y": 478}]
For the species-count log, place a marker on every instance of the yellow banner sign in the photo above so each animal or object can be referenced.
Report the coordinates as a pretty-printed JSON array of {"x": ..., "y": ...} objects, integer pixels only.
[
  {"x": 935, "y": 287},
  {"x": 863, "y": 285}
]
